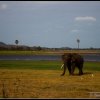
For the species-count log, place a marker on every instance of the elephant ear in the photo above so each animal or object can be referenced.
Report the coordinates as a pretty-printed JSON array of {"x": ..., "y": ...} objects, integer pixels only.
[
  {"x": 64, "y": 57},
  {"x": 69, "y": 57}
]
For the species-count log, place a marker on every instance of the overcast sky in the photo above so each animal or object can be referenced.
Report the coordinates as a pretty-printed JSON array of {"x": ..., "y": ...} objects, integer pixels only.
[{"x": 50, "y": 23}]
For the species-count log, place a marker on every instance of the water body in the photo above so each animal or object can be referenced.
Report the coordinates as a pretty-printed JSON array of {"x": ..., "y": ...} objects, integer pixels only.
[{"x": 87, "y": 57}]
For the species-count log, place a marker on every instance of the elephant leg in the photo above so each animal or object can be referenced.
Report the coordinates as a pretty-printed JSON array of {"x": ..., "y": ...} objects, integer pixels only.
[
  {"x": 80, "y": 69},
  {"x": 80, "y": 72},
  {"x": 69, "y": 69},
  {"x": 64, "y": 69},
  {"x": 72, "y": 69}
]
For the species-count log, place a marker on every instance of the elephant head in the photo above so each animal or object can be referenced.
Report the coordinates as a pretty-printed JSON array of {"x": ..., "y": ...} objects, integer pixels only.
[{"x": 66, "y": 58}]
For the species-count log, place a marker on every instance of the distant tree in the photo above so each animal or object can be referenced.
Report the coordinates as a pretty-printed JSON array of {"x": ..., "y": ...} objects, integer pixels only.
[
  {"x": 39, "y": 48},
  {"x": 78, "y": 41},
  {"x": 16, "y": 42}
]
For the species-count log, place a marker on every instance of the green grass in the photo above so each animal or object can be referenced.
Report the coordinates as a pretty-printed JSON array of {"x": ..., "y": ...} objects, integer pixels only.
[
  {"x": 43, "y": 65},
  {"x": 19, "y": 52},
  {"x": 47, "y": 52},
  {"x": 30, "y": 64},
  {"x": 42, "y": 52},
  {"x": 92, "y": 66}
]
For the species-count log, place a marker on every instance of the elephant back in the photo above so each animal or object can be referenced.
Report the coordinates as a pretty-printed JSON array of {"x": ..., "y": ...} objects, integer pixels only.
[
  {"x": 66, "y": 57},
  {"x": 77, "y": 58}
]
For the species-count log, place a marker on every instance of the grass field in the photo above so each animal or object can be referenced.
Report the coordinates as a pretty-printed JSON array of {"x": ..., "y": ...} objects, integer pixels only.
[
  {"x": 47, "y": 84},
  {"x": 41, "y": 79}
]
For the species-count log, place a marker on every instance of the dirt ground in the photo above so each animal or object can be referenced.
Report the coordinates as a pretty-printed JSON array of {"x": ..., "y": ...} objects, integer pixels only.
[{"x": 48, "y": 84}]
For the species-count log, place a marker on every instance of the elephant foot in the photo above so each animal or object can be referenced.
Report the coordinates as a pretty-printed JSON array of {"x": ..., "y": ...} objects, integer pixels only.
[
  {"x": 72, "y": 74},
  {"x": 80, "y": 73}
]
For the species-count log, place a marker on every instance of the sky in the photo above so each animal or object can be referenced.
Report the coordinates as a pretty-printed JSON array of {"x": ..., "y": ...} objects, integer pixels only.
[{"x": 51, "y": 24}]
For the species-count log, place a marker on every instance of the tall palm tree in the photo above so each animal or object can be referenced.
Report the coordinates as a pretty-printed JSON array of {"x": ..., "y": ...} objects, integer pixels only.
[
  {"x": 16, "y": 41},
  {"x": 78, "y": 41}
]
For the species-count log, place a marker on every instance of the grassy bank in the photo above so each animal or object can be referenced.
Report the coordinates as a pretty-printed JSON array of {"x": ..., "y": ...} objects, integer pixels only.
[
  {"x": 43, "y": 65},
  {"x": 42, "y": 52}
]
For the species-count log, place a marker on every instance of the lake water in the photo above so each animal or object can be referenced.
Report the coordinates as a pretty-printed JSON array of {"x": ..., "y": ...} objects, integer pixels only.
[{"x": 87, "y": 57}]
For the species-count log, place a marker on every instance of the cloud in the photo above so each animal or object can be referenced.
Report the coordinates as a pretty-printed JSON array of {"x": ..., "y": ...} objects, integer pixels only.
[
  {"x": 3, "y": 6},
  {"x": 85, "y": 18}
]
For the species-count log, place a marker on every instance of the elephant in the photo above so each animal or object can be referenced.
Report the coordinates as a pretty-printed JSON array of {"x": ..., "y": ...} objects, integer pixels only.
[{"x": 70, "y": 61}]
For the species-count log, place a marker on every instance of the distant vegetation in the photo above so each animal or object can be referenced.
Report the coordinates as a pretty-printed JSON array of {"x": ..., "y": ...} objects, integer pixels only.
[{"x": 7, "y": 47}]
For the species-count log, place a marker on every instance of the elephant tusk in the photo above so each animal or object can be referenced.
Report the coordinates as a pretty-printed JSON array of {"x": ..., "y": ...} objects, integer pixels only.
[
  {"x": 62, "y": 66},
  {"x": 92, "y": 75}
]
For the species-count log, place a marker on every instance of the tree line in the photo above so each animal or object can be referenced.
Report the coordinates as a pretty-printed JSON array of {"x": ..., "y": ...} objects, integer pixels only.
[{"x": 4, "y": 46}]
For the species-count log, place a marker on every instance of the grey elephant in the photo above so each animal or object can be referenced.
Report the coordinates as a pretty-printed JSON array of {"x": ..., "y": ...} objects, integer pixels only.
[{"x": 72, "y": 60}]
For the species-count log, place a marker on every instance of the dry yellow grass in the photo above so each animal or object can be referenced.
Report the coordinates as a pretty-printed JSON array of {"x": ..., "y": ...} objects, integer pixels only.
[{"x": 47, "y": 84}]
